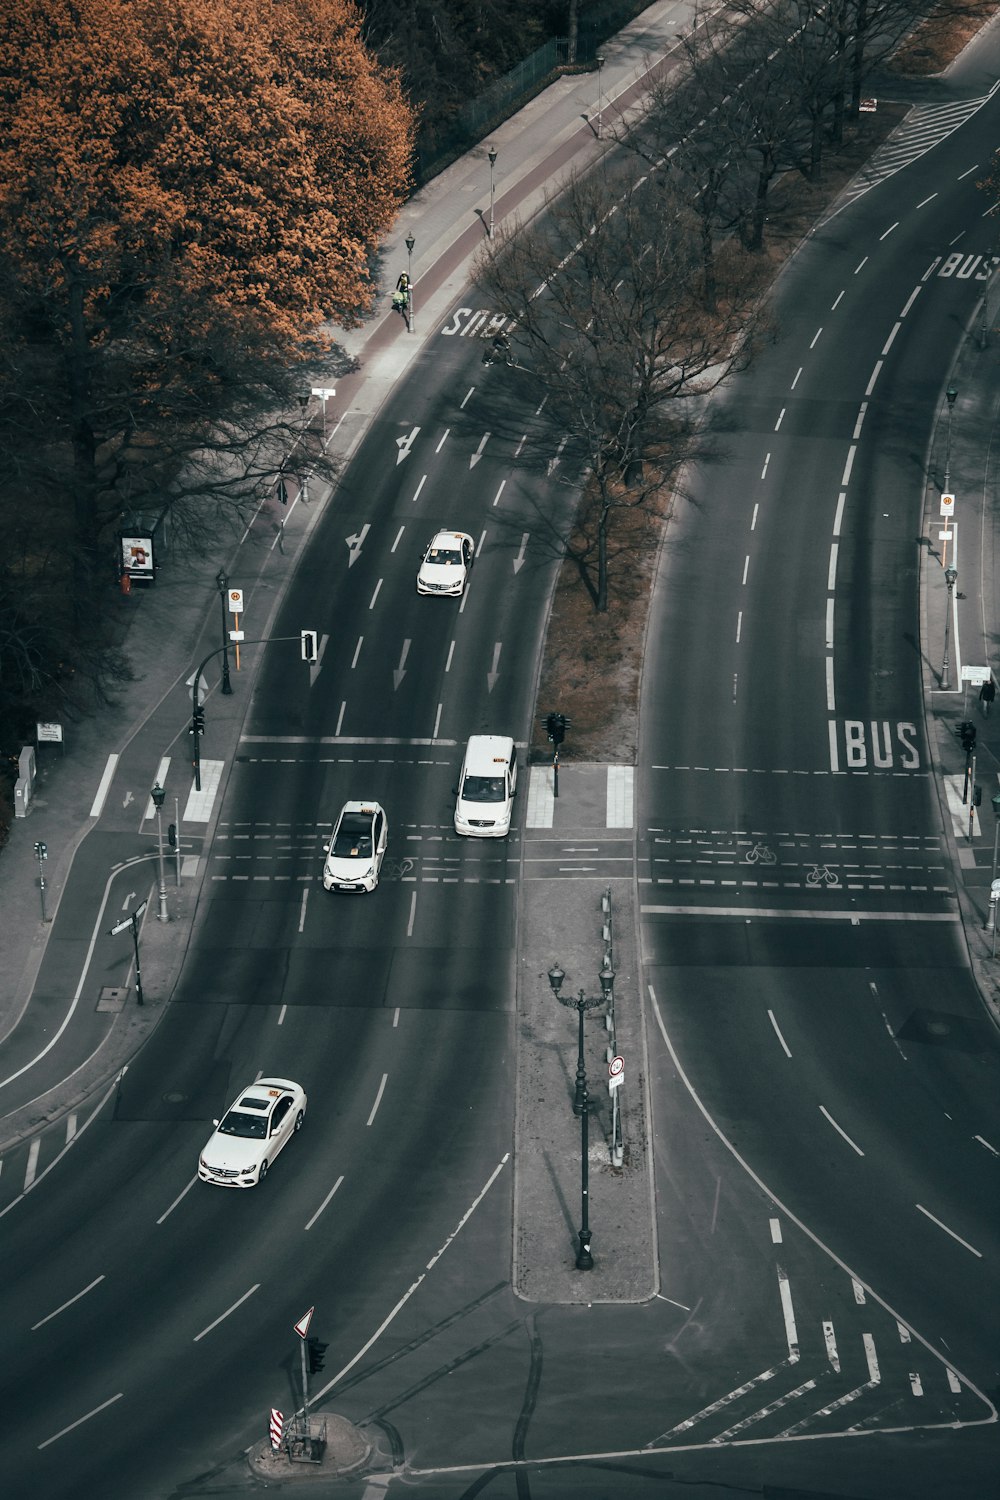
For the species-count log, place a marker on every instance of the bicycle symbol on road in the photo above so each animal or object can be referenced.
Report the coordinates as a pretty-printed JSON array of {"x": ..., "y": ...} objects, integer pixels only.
[
  {"x": 760, "y": 854},
  {"x": 822, "y": 875},
  {"x": 395, "y": 869}
]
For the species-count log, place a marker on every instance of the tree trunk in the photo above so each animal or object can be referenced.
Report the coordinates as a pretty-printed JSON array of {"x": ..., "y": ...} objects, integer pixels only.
[
  {"x": 78, "y": 382},
  {"x": 572, "y": 30}
]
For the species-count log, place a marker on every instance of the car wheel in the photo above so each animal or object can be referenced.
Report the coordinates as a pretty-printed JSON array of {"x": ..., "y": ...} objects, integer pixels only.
[
  {"x": 262, "y": 1173},
  {"x": 298, "y": 1120}
]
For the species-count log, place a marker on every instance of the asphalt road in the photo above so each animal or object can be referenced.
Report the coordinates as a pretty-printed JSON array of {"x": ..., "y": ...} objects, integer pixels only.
[{"x": 819, "y": 1062}]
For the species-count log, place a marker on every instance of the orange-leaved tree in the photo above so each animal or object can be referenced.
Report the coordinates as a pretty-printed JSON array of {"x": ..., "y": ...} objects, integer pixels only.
[{"x": 188, "y": 190}]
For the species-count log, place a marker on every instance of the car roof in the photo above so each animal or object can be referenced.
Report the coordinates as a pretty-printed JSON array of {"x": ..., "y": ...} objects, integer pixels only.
[
  {"x": 486, "y": 752},
  {"x": 441, "y": 538},
  {"x": 359, "y": 807}
]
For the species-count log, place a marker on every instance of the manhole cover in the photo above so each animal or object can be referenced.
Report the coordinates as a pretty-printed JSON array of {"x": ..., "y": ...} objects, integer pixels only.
[
  {"x": 174, "y": 1098},
  {"x": 112, "y": 998}
]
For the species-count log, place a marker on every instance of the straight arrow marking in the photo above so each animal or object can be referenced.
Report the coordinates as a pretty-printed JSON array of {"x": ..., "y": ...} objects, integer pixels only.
[
  {"x": 493, "y": 674},
  {"x": 519, "y": 559},
  {"x": 479, "y": 451},
  {"x": 400, "y": 672},
  {"x": 354, "y": 544}
]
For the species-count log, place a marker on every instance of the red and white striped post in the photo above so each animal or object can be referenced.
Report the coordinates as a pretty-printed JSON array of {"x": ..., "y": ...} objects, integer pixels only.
[{"x": 277, "y": 1428}]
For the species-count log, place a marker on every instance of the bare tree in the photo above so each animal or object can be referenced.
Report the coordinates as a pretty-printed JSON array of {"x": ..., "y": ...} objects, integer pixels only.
[{"x": 607, "y": 295}]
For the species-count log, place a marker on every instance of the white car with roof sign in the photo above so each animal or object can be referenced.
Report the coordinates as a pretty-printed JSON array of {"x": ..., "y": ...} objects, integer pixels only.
[
  {"x": 486, "y": 786},
  {"x": 357, "y": 848},
  {"x": 255, "y": 1127},
  {"x": 446, "y": 563}
]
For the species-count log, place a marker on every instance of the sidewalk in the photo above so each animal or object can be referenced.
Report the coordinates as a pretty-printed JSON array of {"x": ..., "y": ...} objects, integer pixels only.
[{"x": 973, "y": 636}]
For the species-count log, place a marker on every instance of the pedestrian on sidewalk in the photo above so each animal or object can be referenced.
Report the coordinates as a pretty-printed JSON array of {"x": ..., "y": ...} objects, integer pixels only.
[{"x": 987, "y": 693}]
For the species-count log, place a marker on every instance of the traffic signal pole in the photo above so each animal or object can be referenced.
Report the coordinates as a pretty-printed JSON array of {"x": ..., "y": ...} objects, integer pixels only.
[{"x": 198, "y": 712}]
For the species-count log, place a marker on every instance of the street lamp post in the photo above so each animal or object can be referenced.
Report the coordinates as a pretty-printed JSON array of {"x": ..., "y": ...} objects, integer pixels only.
[
  {"x": 600, "y": 96},
  {"x": 951, "y": 396},
  {"x": 581, "y": 1100},
  {"x": 42, "y": 854},
  {"x": 158, "y": 795},
  {"x": 410, "y": 242},
  {"x": 950, "y": 577},
  {"x": 493, "y": 161},
  {"x": 222, "y": 584}
]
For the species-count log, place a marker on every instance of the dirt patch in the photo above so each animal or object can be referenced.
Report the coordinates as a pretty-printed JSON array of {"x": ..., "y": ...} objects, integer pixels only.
[{"x": 592, "y": 663}]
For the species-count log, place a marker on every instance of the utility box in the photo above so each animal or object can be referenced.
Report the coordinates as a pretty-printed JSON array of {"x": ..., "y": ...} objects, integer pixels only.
[{"x": 22, "y": 797}]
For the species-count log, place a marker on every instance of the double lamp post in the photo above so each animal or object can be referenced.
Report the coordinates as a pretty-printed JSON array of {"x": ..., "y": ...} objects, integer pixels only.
[{"x": 581, "y": 1099}]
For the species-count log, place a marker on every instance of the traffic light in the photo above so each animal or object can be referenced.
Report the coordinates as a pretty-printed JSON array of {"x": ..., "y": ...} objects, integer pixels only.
[
  {"x": 317, "y": 1355},
  {"x": 42, "y": 850},
  {"x": 309, "y": 646},
  {"x": 198, "y": 721},
  {"x": 977, "y": 796},
  {"x": 966, "y": 732},
  {"x": 172, "y": 835},
  {"x": 556, "y": 726}
]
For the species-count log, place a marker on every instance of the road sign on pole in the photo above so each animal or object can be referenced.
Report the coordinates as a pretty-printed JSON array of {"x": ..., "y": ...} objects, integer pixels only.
[
  {"x": 302, "y": 1326},
  {"x": 616, "y": 1072}
]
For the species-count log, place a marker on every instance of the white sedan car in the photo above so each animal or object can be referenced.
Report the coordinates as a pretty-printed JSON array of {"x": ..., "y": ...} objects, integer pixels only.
[
  {"x": 357, "y": 848},
  {"x": 446, "y": 563},
  {"x": 250, "y": 1134}
]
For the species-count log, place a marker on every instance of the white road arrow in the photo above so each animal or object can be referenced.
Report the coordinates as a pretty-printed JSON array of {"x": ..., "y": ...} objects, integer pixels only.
[
  {"x": 128, "y": 797},
  {"x": 400, "y": 672},
  {"x": 404, "y": 444},
  {"x": 493, "y": 674},
  {"x": 479, "y": 452},
  {"x": 128, "y": 900},
  {"x": 554, "y": 461},
  {"x": 354, "y": 544},
  {"x": 519, "y": 559}
]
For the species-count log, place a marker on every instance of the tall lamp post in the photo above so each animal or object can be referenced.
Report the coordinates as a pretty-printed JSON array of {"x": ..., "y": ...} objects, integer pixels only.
[
  {"x": 951, "y": 395},
  {"x": 493, "y": 161},
  {"x": 158, "y": 795},
  {"x": 950, "y": 577},
  {"x": 600, "y": 96},
  {"x": 222, "y": 584},
  {"x": 995, "y": 799},
  {"x": 581, "y": 1099},
  {"x": 410, "y": 242}
]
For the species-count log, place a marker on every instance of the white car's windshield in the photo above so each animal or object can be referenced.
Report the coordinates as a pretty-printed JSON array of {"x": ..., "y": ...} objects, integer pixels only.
[
  {"x": 443, "y": 558},
  {"x": 237, "y": 1122},
  {"x": 353, "y": 839},
  {"x": 484, "y": 789}
]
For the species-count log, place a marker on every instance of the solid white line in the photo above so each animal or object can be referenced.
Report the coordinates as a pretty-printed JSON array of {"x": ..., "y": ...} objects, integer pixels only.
[
  {"x": 831, "y": 701},
  {"x": 413, "y": 912},
  {"x": 957, "y": 1237},
  {"x": 419, "y": 487},
  {"x": 49, "y": 1316},
  {"x": 437, "y": 725},
  {"x": 829, "y": 624},
  {"x": 443, "y": 440},
  {"x": 76, "y": 997},
  {"x": 375, "y": 595},
  {"x": 104, "y": 1404},
  {"x": 876, "y": 372},
  {"x": 816, "y": 335},
  {"x": 986, "y": 1143},
  {"x": 831, "y": 577},
  {"x": 32, "y": 1167},
  {"x": 451, "y": 653},
  {"x": 70, "y": 1127},
  {"x": 891, "y": 339},
  {"x": 775, "y": 1228},
  {"x": 834, "y": 747},
  {"x": 182, "y": 1194},
  {"x": 777, "y": 1032},
  {"x": 753, "y": 518},
  {"x": 357, "y": 652},
  {"x": 746, "y": 567},
  {"x": 223, "y": 1316},
  {"x": 302, "y": 910},
  {"x": 849, "y": 465},
  {"x": 410, "y": 1291},
  {"x": 395, "y": 544},
  {"x": 281, "y": 1015},
  {"x": 326, "y": 1200},
  {"x": 827, "y": 1116},
  {"x": 739, "y": 626},
  {"x": 790, "y": 911},
  {"x": 105, "y": 783},
  {"x": 496, "y": 497},
  {"x": 378, "y": 1097},
  {"x": 340, "y": 719}
]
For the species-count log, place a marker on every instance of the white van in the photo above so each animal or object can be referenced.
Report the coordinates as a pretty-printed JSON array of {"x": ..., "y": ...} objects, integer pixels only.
[{"x": 486, "y": 787}]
